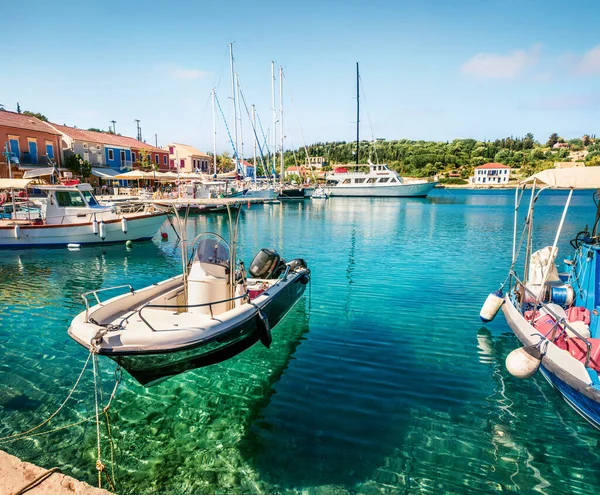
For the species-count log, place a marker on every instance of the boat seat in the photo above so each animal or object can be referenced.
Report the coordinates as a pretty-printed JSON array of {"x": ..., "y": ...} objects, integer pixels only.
[{"x": 577, "y": 348}]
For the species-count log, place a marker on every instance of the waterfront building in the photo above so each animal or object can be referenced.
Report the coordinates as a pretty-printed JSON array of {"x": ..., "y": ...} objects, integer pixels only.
[
  {"x": 316, "y": 161},
  {"x": 294, "y": 170},
  {"x": 186, "y": 158},
  {"x": 491, "y": 173},
  {"x": 104, "y": 150},
  {"x": 31, "y": 143}
]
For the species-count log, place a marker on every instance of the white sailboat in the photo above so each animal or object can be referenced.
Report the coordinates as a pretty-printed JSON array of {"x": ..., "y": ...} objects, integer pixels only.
[{"x": 379, "y": 181}]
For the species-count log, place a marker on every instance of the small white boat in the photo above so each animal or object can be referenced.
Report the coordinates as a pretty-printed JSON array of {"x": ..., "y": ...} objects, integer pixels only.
[
  {"x": 320, "y": 193},
  {"x": 210, "y": 313},
  {"x": 379, "y": 181},
  {"x": 70, "y": 214}
]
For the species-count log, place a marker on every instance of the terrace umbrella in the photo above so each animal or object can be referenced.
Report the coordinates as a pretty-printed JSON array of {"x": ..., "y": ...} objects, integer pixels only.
[{"x": 132, "y": 175}]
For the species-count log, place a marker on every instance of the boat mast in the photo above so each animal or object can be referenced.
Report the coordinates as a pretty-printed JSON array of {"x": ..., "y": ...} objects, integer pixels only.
[
  {"x": 239, "y": 107},
  {"x": 214, "y": 133},
  {"x": 274, "y": 111},
  {"x": 254, "y": 134},
  {"x": 281, "y": 122},
  {"x": 233, "y": 92},
  {"x": 357, "y": 112}
]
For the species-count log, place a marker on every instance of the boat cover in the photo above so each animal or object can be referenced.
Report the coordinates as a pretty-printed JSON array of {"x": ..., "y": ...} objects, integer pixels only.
[
  {"x": 568, "y": 178},
  {"x": 14, "y": 183}
]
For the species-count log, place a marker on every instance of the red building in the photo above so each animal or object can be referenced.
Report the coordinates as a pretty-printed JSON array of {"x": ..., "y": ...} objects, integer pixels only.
[{"x": 30, "y": 142}]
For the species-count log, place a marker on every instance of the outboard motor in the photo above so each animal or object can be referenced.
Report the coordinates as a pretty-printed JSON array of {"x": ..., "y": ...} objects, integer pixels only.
[{"x": 266, "y": 264}]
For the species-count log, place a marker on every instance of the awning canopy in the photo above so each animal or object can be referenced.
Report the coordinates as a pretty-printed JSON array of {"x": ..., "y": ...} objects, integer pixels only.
[
  {"x": 39, "y": 172},
  {"x": 14, "y": 183},
  {"x": 134, "y": 175},
  {"x": 105, "y": 173},
  {"x": 568, "y": 178}
]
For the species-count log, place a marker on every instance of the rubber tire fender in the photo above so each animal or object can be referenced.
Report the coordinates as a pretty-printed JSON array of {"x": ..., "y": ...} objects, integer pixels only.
[{"x": 264, "y": 329}]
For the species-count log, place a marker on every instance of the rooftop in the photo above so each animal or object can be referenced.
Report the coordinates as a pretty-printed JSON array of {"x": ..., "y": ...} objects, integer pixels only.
[
  {"x": 20, "y": 121},
  {"x": 492, "y": 165},
  {"x": 189, "y": 149},
  {"x": 104, "y": 138}
]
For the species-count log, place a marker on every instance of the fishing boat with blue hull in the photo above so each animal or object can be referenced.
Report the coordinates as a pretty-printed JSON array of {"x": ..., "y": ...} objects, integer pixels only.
[
  {"x": 555, "y": 315},
  {"x": 211, "y": 312}
]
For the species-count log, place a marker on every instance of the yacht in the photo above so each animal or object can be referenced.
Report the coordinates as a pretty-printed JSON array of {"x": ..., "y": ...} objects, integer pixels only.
[
  {"x": 378, "y": 181},
  {"x": 70, "y": 214}
]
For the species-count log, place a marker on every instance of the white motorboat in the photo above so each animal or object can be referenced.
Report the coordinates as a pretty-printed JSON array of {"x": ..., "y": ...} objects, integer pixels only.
[
  {"x": 378, "y": 181},
  {"x": 70, "y": 214},
  {"x": 208, "y": 314},
  {"x": 320, "y": 193}
]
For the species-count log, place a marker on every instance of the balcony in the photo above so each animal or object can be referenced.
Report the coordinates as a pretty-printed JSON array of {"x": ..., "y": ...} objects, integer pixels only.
[{"x": 28, "y": 159}]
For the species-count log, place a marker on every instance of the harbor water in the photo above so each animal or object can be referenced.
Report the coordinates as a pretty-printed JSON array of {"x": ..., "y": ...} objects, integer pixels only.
[{"x": 382, "y": 379}]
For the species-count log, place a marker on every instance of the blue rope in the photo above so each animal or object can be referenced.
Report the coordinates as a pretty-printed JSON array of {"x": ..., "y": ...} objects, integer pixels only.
[{"x": 235, "y": 155}]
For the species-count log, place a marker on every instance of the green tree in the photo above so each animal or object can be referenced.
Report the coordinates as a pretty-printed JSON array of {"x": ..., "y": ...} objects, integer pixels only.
[
  {"x": 553, "y": 139},
  {"x": 40, "y": 116},
  {"x": 78, "y": 166}
]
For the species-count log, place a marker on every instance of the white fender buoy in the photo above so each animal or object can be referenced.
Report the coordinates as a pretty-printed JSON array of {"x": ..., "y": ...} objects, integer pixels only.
[
  {"x": 17, "y": 232},
  {"x": 102, "y": 230},
  {"x": 73, "y": 247},
  {"x": 95, "y": 226},
  {"x": 491, "y": 306},
  {"x": 124, "y": 225},
  {"x": 524, "y": 361}
]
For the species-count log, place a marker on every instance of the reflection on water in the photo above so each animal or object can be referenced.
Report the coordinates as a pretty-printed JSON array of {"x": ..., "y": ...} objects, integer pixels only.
[{"x": 383, "y": 382}]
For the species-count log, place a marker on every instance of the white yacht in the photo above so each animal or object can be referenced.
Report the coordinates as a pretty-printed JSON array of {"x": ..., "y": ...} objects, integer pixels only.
[
  {"x": 70, "y": 214},
  {"x": 379, "y": 181}
]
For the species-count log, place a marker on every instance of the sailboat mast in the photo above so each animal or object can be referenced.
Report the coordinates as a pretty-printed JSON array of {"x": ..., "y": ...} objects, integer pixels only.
[
  {"x": 239, "y": 107},
  {"x": 233, "y": 93},
  {"x": 214, "y": 113},
  {"x": 274, "y": 111},
  {"x": 282, "y": 172},
  {"x": 357, "y": 111},
  {"x": 254, "y": 134}
]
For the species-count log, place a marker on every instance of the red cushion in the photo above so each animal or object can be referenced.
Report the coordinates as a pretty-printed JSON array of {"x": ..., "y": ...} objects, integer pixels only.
[
  {"x": 577, "y": 348},
  {"x": 579, "y": 313}
]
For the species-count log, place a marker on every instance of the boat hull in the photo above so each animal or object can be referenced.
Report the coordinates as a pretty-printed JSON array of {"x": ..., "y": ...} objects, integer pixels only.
[
  {"x": 140, "y": 227},
  {"x": 254, "y": 194},
  {"x": 148, "y": 367},
  {"x": 418, "y": 190},
  {"x": 566, "y": 374}
]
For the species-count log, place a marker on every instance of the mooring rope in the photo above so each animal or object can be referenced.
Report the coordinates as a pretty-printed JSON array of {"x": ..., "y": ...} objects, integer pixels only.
[{"x": 25, "y": 433}]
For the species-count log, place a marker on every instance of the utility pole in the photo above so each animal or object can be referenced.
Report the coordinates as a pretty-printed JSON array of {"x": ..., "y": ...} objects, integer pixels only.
[
  {"x": 139, "y": 129},
  {"x": 156, "y": 140},
  {"x": 114, "y": 128}
]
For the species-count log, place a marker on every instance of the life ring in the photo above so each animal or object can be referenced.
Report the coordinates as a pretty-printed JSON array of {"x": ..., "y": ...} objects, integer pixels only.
[
  {"x": 264, "y": 329},
  {"x": 3, "y": 198},
  {"x": 22, "y": 194}
]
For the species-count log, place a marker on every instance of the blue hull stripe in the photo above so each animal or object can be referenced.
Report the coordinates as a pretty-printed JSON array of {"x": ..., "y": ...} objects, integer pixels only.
[{"x": 586, "y": 407}]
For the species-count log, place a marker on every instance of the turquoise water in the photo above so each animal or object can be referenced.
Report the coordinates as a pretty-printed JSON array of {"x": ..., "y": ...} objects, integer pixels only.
[{"x": 381, "y": 380}]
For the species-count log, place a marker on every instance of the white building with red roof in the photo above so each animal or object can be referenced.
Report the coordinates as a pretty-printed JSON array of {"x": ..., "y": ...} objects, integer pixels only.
[{"x": 491, "y": 173}]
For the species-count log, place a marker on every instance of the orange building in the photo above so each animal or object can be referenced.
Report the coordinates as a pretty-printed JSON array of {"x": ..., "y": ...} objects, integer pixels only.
[{"x": 29, "y": 141}]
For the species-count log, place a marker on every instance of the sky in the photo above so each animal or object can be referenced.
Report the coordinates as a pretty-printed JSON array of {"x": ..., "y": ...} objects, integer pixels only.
[{"x": 432, "y": 69}]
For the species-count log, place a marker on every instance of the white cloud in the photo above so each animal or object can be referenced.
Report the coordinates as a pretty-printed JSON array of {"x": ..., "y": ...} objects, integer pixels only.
[
  {"x": 181, "y": 73},
  {"x": 590, "y": 62},
  {"x": 494, "y": 66}
]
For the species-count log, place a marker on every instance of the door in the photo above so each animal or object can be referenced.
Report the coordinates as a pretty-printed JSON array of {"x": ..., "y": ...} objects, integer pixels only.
[
  {"x": 33, "y": 152},
  {"x": 14, "y": 150},
  {"x": 50, "y": 151}
]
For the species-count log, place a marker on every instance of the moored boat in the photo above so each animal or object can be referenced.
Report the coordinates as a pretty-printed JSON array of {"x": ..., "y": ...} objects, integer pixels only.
[
  {"x": 553, "y": 314},
  {"x": 70, "y": 214},
  {"x": 211, "y": 312}
]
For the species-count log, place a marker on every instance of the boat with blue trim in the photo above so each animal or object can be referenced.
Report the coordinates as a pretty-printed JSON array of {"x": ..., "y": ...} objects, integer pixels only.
[{"x": 556, "y": 315}]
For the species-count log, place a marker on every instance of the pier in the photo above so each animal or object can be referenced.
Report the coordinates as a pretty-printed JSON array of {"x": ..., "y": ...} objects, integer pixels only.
[{"x": 17, "y": 477}]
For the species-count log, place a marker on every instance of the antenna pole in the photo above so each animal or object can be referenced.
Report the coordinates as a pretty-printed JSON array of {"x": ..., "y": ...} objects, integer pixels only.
[
  {"x": 214, "y": 134},
  {"x": 357, "y": 111},
  {"x": 282, "y": 172}
]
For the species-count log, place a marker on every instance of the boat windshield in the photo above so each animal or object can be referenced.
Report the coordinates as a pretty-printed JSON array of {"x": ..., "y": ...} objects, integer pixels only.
[
  {"x": 89, "y": 197},
  {"x": 213, "y": 251}
]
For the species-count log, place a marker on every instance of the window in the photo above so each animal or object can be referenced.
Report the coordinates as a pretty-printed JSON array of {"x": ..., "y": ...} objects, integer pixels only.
[
  {"x": 372, "y": 180},
  {"x": 383, "y": 179},
  {"x": 345, "y": 181},
  {"x": 359, "y": 181},
  {"x": 164, "y": 159},
  {"x": 133, "y": 156},
  {"x": 393, "y": 179},
  {"x": 171, "y": 150},
  {"x": 111, "y": 155},
  {"x": 122, "y": 156},
  {"x": 156, "y": 159},
  {"x": 89, "y": 197},
  {"x": 85, "y": 146},
  {"x": 181, "y": 163},
  {"x": 69, "y": 198},
  {"x": 171, "y": 163}
]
